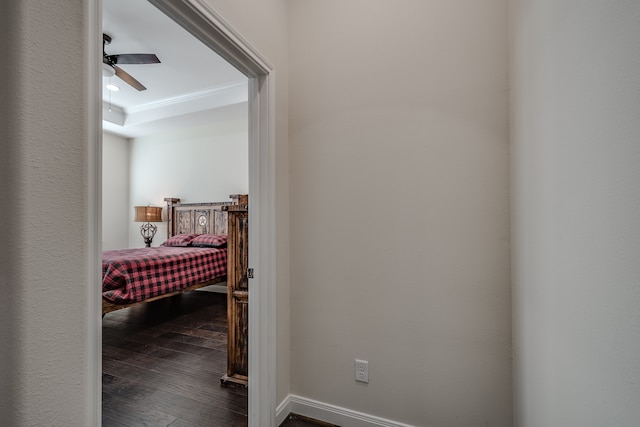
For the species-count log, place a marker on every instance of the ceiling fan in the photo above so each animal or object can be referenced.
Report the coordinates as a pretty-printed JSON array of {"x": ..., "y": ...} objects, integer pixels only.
[{"x": 110, "y": 63}]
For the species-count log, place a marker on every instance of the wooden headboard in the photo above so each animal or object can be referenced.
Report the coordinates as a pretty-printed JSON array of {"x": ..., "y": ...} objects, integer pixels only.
[{"x": 200, "y": 218}]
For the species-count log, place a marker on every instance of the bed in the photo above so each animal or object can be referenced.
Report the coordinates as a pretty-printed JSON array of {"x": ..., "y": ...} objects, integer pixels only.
[
  {"x": 194, "y": 255},
  {"x": 130, "y": 276},
  {"x": 207, "y": 243}
]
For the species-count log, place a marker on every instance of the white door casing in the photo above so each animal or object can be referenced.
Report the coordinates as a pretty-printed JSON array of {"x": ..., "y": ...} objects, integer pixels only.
[{"x": 201, "y": 21}]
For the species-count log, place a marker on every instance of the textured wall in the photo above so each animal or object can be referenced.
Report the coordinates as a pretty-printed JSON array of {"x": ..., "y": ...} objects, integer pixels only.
[
  {"x": 575, "y": 125},
  {"x": 43, "y": 268}
]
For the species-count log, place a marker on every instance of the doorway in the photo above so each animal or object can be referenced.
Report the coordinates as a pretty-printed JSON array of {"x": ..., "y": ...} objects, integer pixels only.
[{"x": 208, "y": 27}]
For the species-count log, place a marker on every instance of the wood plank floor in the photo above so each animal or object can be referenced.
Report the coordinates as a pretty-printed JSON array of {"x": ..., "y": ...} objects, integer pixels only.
[{"x": 162, "y": 362}]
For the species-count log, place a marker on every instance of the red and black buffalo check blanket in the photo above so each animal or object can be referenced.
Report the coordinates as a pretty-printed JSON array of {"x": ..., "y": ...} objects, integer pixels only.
[{"x": 132, "y": 275}]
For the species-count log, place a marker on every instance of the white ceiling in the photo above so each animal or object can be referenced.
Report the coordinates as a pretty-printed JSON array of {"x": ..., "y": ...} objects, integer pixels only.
[{"x": 182, "y": 90}]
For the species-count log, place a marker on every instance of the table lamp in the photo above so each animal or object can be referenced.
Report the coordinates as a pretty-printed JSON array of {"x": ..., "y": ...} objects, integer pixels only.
[{"x": 148, "y": 214}]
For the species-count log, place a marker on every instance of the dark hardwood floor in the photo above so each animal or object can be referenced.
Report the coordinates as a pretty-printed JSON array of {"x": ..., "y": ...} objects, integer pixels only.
[{"x": 162, "y": 362}]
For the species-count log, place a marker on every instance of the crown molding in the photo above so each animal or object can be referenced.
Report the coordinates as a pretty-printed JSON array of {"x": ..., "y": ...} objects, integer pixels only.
[
  {"x": 209, "y": 94},
  {"x": 220, "y": 96}
]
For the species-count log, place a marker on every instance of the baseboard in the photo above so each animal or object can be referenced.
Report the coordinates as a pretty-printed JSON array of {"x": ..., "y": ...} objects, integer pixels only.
[{"x": 337, "y": 415}]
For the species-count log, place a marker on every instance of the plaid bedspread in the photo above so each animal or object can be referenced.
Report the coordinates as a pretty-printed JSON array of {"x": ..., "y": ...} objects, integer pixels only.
[{"x": 132, "y": 275}]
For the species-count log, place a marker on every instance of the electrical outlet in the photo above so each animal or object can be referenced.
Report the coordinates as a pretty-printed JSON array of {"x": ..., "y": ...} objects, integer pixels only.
[{"x": 362, "y": 371}]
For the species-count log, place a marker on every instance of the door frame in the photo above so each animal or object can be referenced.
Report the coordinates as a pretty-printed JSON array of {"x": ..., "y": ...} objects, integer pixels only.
[{"x": 206, "y": 25}]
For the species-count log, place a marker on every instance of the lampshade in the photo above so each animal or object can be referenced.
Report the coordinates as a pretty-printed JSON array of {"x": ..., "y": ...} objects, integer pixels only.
[{"x": 148, "y": 214}]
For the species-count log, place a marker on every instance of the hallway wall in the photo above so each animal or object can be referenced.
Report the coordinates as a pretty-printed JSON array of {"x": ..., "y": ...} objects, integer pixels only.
[{"x": 575, "y": 122}]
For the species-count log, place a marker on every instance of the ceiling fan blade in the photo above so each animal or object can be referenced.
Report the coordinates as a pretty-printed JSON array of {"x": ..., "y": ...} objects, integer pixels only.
[
  {"x": 127, "y": 78},
  {"x": 134, "y": 58}
]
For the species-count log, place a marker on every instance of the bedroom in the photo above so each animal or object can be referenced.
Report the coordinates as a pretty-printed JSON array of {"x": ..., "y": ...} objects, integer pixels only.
[
  {"x": 184, "y": 136},
  {"x": 196, "y": 164}
]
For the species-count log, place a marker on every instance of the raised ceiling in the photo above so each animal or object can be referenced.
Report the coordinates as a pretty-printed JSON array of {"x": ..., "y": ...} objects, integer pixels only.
[{"x": 187, "y": 88}]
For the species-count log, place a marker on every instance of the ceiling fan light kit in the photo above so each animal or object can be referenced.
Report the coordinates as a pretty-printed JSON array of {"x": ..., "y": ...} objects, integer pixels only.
[
  {"x": 110, "y": 67},
  {"x": 108, "y": 70}
]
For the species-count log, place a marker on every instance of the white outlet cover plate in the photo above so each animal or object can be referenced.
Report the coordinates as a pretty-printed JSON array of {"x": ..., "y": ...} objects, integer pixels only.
[{"x": 362, "y": 371}]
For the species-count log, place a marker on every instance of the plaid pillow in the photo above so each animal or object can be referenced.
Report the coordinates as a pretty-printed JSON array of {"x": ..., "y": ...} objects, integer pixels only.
[
  {"x": 179, "y": 240},
  {"x": 210, "y": 241}
]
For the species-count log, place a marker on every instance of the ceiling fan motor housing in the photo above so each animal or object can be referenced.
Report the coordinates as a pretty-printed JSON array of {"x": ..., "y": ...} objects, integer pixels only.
[{"x": 110, "y": 68}]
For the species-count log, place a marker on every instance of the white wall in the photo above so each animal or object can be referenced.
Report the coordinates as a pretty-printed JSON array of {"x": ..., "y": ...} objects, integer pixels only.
[
  {"x": 400, "y": 208},
  {"x": 116, "y": 215},
  {"x": 576, "y": 208},
  {"x": 45, "y": 371},
  {"x": 203, "y": 164}
]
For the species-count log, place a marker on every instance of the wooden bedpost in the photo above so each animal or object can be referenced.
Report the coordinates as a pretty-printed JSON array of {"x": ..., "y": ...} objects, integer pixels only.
[
  {"x": 170, "y": 202},
  {"x": 240, "y": 199},
  {"x": 237, "y": 295}
]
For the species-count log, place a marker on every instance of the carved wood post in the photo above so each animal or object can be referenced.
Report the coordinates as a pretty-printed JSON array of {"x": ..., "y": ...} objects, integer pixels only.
[
  {"x": 170, "y": 202},
  {"x": 237, "y": 296}
]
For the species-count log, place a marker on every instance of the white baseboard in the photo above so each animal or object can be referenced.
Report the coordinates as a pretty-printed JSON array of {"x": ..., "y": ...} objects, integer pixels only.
[{"x": 328, "y": 413}]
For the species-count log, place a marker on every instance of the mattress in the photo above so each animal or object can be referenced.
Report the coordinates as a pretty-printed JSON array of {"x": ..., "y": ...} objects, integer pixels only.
[{"x": 133, "y": 275}]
